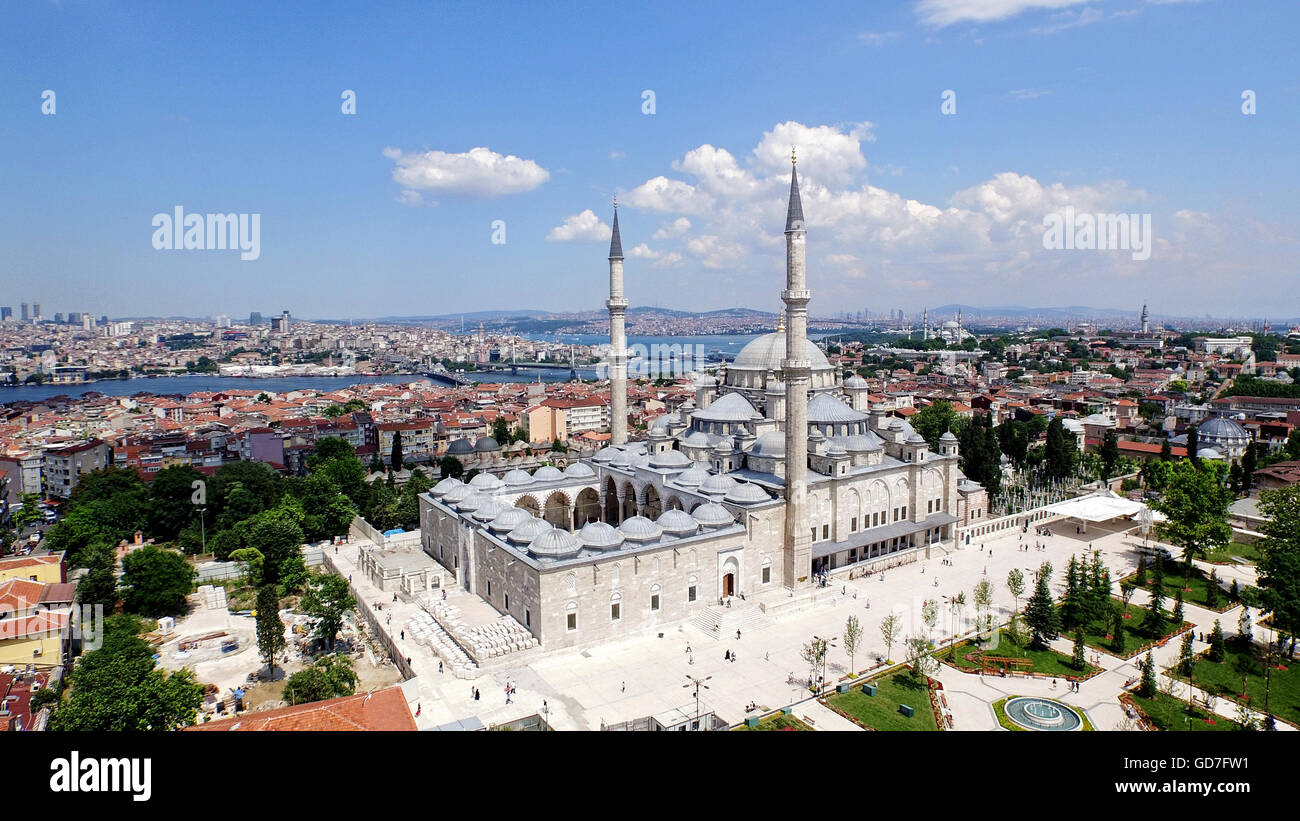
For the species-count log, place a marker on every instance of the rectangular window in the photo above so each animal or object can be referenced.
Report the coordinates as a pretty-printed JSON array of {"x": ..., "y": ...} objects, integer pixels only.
[
  {"x": 826, "y": 532},
  {"x": 654, "y": 602},
  {"x": 690, "y": 593},
  {"x": 854, "y": 526},
  {"x": 814, "y": 534},
  {"x": 573, "y": 621},
  {"x": 613, "y": 612},
  {"x": 767, "y": 575},
  {"x": 528, "y": 618},
  {"x": 904, "y": 511},
  {"x": 507, "y": 601},
  {"x": 489, "y": 589}
]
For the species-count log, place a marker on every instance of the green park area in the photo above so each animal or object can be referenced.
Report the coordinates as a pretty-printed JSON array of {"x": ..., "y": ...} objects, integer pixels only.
[
  {"x": 1243, "y": 663},
  {"x": 1170, "y": 713},
  {"x": 1228, "y": 554},
  {"x": 1045, "y": 661},
  {"x": 778, "y": 721},
  {"x": 1138, "y": 634},
  {"x": 1195, "y": 584},
  {"x": 881, "y": 711}
]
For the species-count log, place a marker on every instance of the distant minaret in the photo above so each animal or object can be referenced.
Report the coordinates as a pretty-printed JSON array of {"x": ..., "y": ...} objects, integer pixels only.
[
  {"x": 925, "y": 324},
  {"x": 797, "y": 373},
  {"x": 1146, "y": 324},
  {"x": 617, "y": 305}
]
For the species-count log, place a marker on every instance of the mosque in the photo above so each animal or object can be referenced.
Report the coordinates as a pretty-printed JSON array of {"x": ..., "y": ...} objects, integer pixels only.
[{"x": 778, "y": 472}]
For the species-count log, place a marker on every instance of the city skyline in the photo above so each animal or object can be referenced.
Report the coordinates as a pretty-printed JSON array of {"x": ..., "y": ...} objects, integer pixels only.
[{"x": 373, "y": 213}]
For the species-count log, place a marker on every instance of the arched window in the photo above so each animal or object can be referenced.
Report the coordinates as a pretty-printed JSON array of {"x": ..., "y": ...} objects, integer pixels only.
[
  {"x": 616, "y": 607},
  {"x": 571, "y": 616}
]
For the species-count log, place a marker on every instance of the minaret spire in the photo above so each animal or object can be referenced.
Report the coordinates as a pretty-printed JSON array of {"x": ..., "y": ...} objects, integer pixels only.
[
  {"x": 617, "y": 305},
  {"x": 797, "y": 372}
]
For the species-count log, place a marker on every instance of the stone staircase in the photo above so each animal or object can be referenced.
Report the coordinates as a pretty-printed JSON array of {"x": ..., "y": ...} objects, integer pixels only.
[{"x": 723, "y": 622}]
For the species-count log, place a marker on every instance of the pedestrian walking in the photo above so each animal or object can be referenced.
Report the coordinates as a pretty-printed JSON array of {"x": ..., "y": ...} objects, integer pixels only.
[
  {"x": 737, "y": 634},
  {"x": 403, "y": 635},
  {"x": 726, "y": 656},
  {"x": 439, "y": 665},
  {"x": 622, "y": 688}
]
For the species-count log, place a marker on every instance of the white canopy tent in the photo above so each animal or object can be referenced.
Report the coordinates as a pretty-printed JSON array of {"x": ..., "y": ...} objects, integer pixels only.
[{"x": 1102, "y": 506}]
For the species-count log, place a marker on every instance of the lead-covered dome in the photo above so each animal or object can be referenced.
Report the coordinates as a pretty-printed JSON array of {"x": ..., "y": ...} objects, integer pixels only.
[
  {"x": 600, "y": 536},
  {"x": 555, "y": 544},
  {"x": 445, "y": 486},
  {"x": 678, "y": 523},
  {"x": 517, "y": 478},
  {"x": 712, "y": 514},
  {"x": 529, "y": 529},
  {"x": 641, "y": 529},
  {"x": 747, "y": 493},
  {"x": 767, "y": 353},
  {"x": 547, "y": 473},
  {"x": 509, "y": 519}
]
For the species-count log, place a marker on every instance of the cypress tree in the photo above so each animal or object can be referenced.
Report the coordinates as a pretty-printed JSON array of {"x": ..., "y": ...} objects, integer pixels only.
[
  {"x": 1147, "y": 689},
  {"x": 1119, "y": 640},
  {"x": 1218, "y": 649},
  {"x": 1040, "y": 614},
  {"x": 1193, "y": 446},
  {"x": 1185, "y": 656},
  {"x": 1154, "y": 623},
  {"x": 1212, "y": 590},
  {"x": 1178, "y": 607},
  {"x": 1071, "y": 610},
  {"x": 1141, "y": 578},
  {"x": 1166, "y": 451},
  {"x": 1080, "y": 663}
]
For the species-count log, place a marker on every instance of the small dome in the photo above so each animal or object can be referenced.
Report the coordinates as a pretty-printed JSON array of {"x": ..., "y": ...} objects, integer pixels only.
[
  {"x": 622, "y": 459},
  {"x": 858, "y": 442},
  {"x": 916, "y": 439},
  {"x": 485, "y": 481},
  {"x": 579, "y": 470},
  {"x": 747, "y": 493},
  {"x": 554, "y": 544},
  {"x": 529, "y": 529},
  {"x": 855, "y": 381},
  {"x": 509, "y": 518},
  {"x": 600, "y": 536},
  {"x": 473, "y": 501},
  {"x": 836, "y": 449},
  {"x": 719, "y": 483},
  {"x": 485, "y": 444},
  {"x": 460, "y": 447},
  {"x": 604, "y": 455},
  {"x": 456, "y": 494},
  {"x": 712, "y": 514},
  {"x": 641, "y": 529},
  {"x": 947, "y": 437},
  {"x": 489, "y": 511},
  {"x": 770, "y": 444},
  {"x": 670, "y": 459},
  {"x": 731, "y": 407},
  {"x": 692, "y": 476},
  {"x": 547, "y": 473},
  {"x": 443, "y": 487},
  {"x": 518, "y": 478},
  {"x": 678, "y": 523}
]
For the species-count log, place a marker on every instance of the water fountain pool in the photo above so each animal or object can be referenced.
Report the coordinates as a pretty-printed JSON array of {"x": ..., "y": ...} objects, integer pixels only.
[{"x": 1042, "y": 714}]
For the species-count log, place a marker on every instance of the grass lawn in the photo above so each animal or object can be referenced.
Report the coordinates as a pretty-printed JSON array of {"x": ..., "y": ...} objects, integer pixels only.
[
  {"x": 779, "y": 721},
  {"x": 1193, "y": 585},
  {"x": 1094, "y": 634},
  {"x": 1048, "y": 662},
  {"x": 1224, "y": 679},
  {"x": 1169, "y": 713},
  {"x": 1224, "y": 555},
  {"x": 880, "y": 711}
]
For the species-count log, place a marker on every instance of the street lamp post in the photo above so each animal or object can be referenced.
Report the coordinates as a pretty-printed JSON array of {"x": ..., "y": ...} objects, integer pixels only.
[
  {"x": 203, "y": 527},
  {"x": 824, "y": 646},
  {"x": 697, "y": 683}
]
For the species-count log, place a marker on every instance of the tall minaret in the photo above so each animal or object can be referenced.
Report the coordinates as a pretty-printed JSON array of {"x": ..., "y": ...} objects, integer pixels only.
[
  {"x": 1146, "y": 323},
  {"x": 798, "y": 372},
  {"x": 925, "y": 324},
  {"x": 617, "y": 305}
]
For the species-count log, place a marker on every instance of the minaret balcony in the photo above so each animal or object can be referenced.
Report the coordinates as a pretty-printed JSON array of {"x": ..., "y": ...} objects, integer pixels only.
[
  {"x": 619, "y": 304},
  {"x": 796, "y": 297}
]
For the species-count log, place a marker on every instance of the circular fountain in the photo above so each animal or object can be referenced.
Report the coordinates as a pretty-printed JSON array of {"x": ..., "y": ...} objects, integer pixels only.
[{"x": 1034, "y": 713}]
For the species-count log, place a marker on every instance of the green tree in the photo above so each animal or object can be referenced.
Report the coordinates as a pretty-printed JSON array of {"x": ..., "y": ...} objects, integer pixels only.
[
  {"x": 1218, "y": 646},
  {"x": 501, "y": 431},
  {"x": 934, "y": 420},
  {"x": 852, "y": 640},
  {"x": 1072, "y": 609},
  {"x": 1040, "y": 615},
  {"x": 449, "y": 467},
  {"x": 1179, "y": 613},
  {"x": 1016, "y": 585},
  {"x": 171, "y": 508},
  {"x": 155, "y": 581},
  {"x": 1147, "y": 688},
  {"x": 1186, "y": 658},
  {"x": 277, "y": 535},
  {"x": 1193, "y": 446},
  {"x": 99, "y": 584},
  {"x": 1078, "y": 659},
  {"x": 1196, "y": 509},
  {"x": 1249, "y": 461},
  {"x": 1109, "y": 453},
  {"x": 270, "y": 629},
  {"x": 1119, "y": 637},
  {"x": 1154, "y": 622},
  {"x": 395, "y": 458},
  {"x": 1059, "y": 451},
  {"x": 890, "y": 631},
  {"x": 327, "y": 600},
  {"x": 118, "y": 688},
  {"x": 330, "y": 677},
  {"x": 1279, "y": 564}
]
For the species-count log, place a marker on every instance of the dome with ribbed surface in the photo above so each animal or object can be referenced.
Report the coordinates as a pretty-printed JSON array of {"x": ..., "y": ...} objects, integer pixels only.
[
  {"x": 473, "y": 501},
  {"x": 547, "y": 473},
  {"x": 767, "y": 353},
  {"x": 518, "y": 478},
  {"x": 460, "y": 447},
  {"x": 622, "y": 459},
  {"x": 641, "y": 529},
  {"x": 485, "y": 481},
  {"x": 678, "y": 523},
  {"x": 719, "y": 483},
  {"x": 490, "y": 510},
  {"x": 485, "y": 444},
  {"x": 579, "y": 470},
  {"x": 730, "y": 407},
  {"x": 747, "y": 493},
  {"x": 600, "y": 536},
  {"x": 604, "y": 455},
  {"x": 445, "y": 486},
  {"x": 670, "y": 459},
  {"x": 692, "y": 476},
  {"x": 712, "y": 514},
  {"x": 509, "y": 519},
  {"x": 824, "y": 409},
  {"x": 529, "y": 529},
  {"x": 555, "y": 544},
  {"x": 456, "y": 494},
  {"x": 770, "y": 444}
]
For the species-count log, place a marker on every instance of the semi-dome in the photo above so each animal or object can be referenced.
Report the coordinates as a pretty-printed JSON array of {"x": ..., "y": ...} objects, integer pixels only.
[
  {"x": 824, "y": 409},
  {"x": 547, "y": 473},
  {"x": 858, "y": 442},
  {"x": 678, "y": 523},
  {"x": 517, "y": 478},
  {"x": 670, "y": 459},
  {"x": 445, "y": 486},
  {"x": 600, "y": 536},
  {"x": 770, "y": 444},
  {"x": 767, "y": 353},
  {"x": 579, "y": 470},
  {"x": 747, "y": 493},
  {"x": 529, "y": 529},
  {"x": 460, "y": 447},
  {"x": 641, "y": 529},
  {"x": 555, "y": 544},
  {"x": 509, "y": 518},
  {"x": 712, "y": 514},
  {"x": 718, "y": 483},
  {"x": 730, "y": 407},
  {"x": 489, "y": 511},
  {"x": 486, "y": 443},
  {"x": 692, "y": 476},
  {"x": 485, "y": 481}
]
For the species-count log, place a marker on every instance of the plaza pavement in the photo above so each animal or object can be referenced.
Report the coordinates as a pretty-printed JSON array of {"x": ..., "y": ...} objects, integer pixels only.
[{"x": 619, "y": 681}]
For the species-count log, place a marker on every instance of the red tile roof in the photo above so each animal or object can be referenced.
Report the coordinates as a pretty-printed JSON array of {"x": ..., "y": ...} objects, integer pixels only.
[{"x": 382, "y": 710}]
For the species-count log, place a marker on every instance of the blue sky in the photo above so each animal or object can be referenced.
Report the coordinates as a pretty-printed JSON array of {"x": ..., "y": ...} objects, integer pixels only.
[{"x": 1104, "y": 106}]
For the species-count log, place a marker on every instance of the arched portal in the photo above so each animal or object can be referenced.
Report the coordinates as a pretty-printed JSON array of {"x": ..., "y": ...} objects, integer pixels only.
[
  {"x": 653, "y": 505},
  {"x": 629, "y": 501},
  {"x": 587, "y": 508},
  {"x": 529, "y": 504},
  {"x": 557, "y": 510},
  {"x": 611, "y": 502}
]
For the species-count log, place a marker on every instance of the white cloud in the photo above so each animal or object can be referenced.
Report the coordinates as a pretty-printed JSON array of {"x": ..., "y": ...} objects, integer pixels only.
[
  {"x": 1028, "y": 93},
  {"x": 583, "y": 227},
  {"x": 675, "y": 228},
  {"x": 617, "y": 155},
  {"x": 1070, "y": 19},
  {"x": 878, "y": 38},
  {"x": 942, "y": 13},
  {"x": 665, "y": 195},
  {"x": 659, "y": 259},
  {"x": 479, "y": 172}
]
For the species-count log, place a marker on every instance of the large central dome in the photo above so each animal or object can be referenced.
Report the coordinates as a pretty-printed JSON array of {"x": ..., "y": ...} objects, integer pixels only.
[{"x": 767, "y": 352}]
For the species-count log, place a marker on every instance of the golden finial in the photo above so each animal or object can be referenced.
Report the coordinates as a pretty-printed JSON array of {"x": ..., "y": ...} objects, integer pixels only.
[
  {"x": 616, "y": 201},
  {"x": 792, "y": 157},
  {"x": 780, "y": 323}
]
